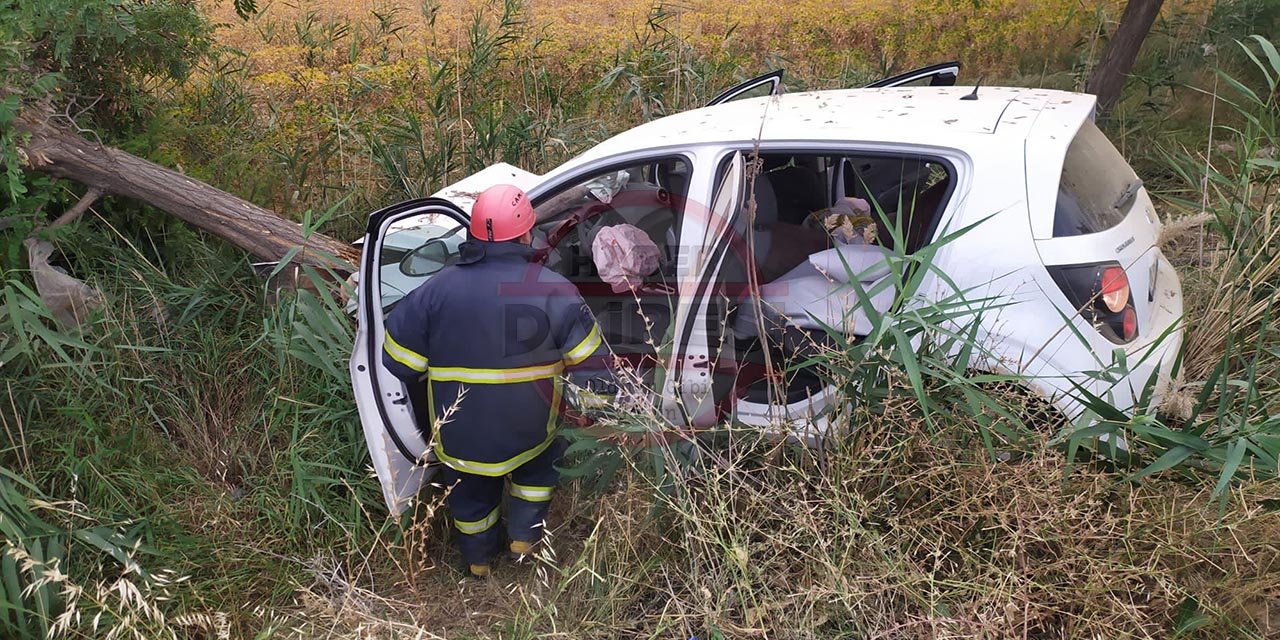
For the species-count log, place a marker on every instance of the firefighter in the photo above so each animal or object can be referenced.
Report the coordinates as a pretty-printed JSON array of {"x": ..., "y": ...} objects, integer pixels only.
[{"x": 492, "y": 337}]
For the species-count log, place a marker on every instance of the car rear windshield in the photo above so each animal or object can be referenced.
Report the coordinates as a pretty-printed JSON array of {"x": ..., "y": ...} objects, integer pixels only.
[{"x": 1097, "y": 188}]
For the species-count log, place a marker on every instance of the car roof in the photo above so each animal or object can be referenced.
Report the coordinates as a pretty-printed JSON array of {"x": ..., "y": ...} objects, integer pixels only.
[{"x": 934, "y": 116}]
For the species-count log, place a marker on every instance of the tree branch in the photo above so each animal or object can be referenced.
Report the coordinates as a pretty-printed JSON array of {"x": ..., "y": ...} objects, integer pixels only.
[{"x": 78, "y": 209}]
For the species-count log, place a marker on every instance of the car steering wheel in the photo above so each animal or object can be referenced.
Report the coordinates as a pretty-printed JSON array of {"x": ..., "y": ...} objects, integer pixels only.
[
  {"x": 558, "y": 233},
  {"x": 604, "y": 216}
]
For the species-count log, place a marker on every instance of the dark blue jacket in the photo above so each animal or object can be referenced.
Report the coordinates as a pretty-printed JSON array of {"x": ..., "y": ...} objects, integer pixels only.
[{"x": 492, "y": 336}]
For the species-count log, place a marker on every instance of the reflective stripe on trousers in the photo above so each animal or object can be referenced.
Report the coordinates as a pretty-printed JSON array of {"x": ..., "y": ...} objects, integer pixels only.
[
  {"x": 531, "y": 493},
  {"x": 478, "y": 526}
]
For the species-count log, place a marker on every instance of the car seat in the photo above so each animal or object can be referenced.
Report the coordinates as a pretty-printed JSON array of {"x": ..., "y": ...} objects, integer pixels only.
[
  {"x": 632, "y": 325},
  {"x": 799, "y": 191},
  {"x": 673, "y": 177},
  {"x": 921, "y": 211}
]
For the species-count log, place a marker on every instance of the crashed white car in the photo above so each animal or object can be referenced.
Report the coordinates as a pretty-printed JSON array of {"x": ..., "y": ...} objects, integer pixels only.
[{"x": 1067, "y": 236}]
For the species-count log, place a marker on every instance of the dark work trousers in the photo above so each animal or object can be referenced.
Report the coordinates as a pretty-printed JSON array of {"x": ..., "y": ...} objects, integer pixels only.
[{"x": 474, "y": 501}]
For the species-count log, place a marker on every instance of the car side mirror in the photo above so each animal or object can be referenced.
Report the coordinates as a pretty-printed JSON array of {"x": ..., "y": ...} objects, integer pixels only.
[{"x": 427, "y": 259}]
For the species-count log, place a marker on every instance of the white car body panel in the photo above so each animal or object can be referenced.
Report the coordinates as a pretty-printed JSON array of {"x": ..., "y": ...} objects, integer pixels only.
[
  {"x": 1006, "y": 150},
  {"x": 401, "y": 479},
  {"x": 464, "y": 192},
  {"x": 686, "y": 393}
]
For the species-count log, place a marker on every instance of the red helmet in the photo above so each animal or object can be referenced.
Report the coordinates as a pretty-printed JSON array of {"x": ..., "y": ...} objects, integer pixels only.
[{"x": 501, "y": 213}]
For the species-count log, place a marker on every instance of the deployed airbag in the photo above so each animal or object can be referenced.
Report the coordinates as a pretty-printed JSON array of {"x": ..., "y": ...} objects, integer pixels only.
[
  {"x": 624, "y": 255},
  {"x": 817, "y": 294},
  {"x": 861, "y": 262}
]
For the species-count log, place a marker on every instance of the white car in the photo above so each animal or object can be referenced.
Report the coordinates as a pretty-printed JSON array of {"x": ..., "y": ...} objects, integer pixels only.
[{"x": 1065, "y": 235}]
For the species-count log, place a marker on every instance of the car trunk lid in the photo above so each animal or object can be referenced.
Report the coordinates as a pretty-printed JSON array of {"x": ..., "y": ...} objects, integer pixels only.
[{"x": 1099, "y": 213}]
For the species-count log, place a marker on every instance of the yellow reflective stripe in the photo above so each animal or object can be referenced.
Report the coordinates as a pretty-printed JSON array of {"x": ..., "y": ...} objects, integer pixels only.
[
  {"x": 492, "y": 469},
  {"x": 431, "y": 412},
  {"x": 531, "y": 494},
  {"x": 478, "y": 526},
  {"x": 557, "y": 389},
  {"x": 406, "y": 357},
  {"x": 585, "y": 348},
  {"x": 495, "y": 376}
]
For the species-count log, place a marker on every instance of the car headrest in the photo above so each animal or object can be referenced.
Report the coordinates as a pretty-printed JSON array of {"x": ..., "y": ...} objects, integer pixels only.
[{"x": 672, "y": 175}]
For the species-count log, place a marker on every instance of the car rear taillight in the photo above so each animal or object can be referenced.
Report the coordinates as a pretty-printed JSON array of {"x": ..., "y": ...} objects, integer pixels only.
[
  {"x": 1115, "y": 289},
  {"x": 1101, "y": 293},
  {"x": 1129, "y": 323}
]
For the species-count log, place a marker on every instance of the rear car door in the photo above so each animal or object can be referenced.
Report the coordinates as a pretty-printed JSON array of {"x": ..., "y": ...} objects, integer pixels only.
[
  {"x": 404, "y": 246},
  {"x": 688, "y": 392},
  {"x": 769, "y": 84},
  {"x": 943, "y": 74}
]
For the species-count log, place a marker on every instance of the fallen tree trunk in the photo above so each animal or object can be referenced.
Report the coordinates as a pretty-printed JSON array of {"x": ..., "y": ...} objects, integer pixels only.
[{"x": 60, "y": 152}]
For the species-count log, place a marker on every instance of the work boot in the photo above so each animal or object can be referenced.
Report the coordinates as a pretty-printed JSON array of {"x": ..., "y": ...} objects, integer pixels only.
[
  {"x": 520, "y": 549},
  {"x": 479, "y": 570}
]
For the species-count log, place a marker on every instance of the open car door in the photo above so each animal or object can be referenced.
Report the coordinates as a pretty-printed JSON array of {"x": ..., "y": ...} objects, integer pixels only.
[
  {"x": 404, "y": 245},
  {"x": 688, "y": 392},
  {"x": 769, "y": 84},
  {"x": 934, "y": 75}
]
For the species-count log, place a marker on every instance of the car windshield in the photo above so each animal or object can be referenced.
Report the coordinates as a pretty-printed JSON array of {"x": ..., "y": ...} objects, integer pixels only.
[{"x": 1097, "y": 187}]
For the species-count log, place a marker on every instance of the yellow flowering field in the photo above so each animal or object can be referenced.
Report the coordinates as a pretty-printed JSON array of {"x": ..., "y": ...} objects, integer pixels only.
[
  {"x": 817, "y": 37},
  {"x": 463, "y": 83}
]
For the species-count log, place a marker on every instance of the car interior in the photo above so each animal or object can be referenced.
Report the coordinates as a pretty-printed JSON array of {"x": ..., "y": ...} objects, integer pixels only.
[
  {"x": 649, "y": 196},
  {"x": 793, "y": 195},
  {"x": 787, "y": 202}
]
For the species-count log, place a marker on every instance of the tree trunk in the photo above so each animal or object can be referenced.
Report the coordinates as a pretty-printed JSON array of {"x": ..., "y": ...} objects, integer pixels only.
[
  {"x": 62, "y": 153},
  {"x": 1107, "y": 79}
]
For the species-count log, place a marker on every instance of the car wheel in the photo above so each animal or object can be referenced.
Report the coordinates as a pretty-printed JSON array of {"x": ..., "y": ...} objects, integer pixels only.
[{"x": 1039, "y": 419}]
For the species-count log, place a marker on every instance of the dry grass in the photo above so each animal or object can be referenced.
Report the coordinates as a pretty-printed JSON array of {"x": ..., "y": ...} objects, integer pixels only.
[
  {"x": 1000, "y": 32},
  {"x": 906, "y": 535},
  {"x": 1238, "y": 294},
  {"x": 899, "y": 531},
  {"x": 302, "y": 113}
]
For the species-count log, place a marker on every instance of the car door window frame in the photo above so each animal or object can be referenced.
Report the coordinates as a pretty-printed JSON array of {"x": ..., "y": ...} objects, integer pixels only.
[
  {"x": 555, "y": 185},
  {"x": 951, "y": 160},
  {"x": 675, "y": 407},
  {"x": 934, "y": 72},
  {"x": 539, "y": 195},
  {"x": 773, "y": 77}
]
